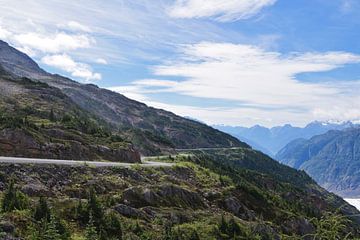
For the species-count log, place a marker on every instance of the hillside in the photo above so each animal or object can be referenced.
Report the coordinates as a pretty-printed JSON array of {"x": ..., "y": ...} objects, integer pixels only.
[
  {"x": 151, "y": 130},
  {"x": 39, "y": 121},
  {"x": 228, "y": 194},
  {"x": 235, "y": 193},
  {"x": 332, "y": 159},
  {"x": 271, "y": 140}
]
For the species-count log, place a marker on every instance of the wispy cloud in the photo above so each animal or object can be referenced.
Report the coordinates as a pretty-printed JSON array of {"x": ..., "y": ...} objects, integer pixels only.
[
  {"x": 75, "y": 26},
  {"x": 220, "y": 10},
  {"x": 259, "y": 78},
  {"x": 101, "y": 61}
]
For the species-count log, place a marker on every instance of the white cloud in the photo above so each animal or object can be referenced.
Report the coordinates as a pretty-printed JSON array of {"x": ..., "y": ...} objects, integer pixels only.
[
  {"x": 221, "y": 10},
  {"x": 263, "y": 82},
  {"x": 54, "y": 50},
  {"x": 4, "y": 34},
  {"x": 66, "y": 63},
  {"x": 59, "y": 42},
  {"x": 75, "y": 26},
  {"x": 101, "y": 61}
]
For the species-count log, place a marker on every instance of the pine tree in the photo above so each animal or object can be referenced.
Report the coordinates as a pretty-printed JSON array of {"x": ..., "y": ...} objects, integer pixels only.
[
  {"x": 8, "y": 203},
  {"x": 81, "y": 213},
  {"x": 13, "y": 199},
  {"x": 51, "y": 232},
  {"x": 113, "y": 227},
  {"x": 52, "y": 115},
  {"x": 194, "y": 235},
  {"x": 167, "y": 232},
  {"x": 223, "y": 226},
  {"x": 91, "y": 233},
  {"x": 233, "y": 228},
  {"x": 42, "y": 210},
  {"x": 95, "y": 208}
]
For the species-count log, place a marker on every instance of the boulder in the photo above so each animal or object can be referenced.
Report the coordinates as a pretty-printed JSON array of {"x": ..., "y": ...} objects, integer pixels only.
[
  {"x": 164, "y": 195},
  {"x": 235, "y": 207},
  {"x": 128, "y": 211},
  {"x": 36, "y": 190},
  {"x": 300, "y": 226}
]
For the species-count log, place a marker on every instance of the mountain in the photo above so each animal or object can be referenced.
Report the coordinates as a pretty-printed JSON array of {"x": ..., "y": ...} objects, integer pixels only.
[
  {"x": 152, "y": 131},
  {"x": 37, "y": 120},
  {"x": 332, "y": 159},
  {"x": 229, "y": 193},
  {"x": 271, "y": 140}
]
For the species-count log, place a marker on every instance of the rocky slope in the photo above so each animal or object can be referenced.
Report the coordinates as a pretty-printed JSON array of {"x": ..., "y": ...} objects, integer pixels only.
[
  {"x": 271, "y": 140},
  {"x": 217, "y": 194},
  {"x": 332, "y": 159},
  {"x": 151, "y": 130},
  {"x": 39, "y": 121},
  {"x": 186, "y": 200}
]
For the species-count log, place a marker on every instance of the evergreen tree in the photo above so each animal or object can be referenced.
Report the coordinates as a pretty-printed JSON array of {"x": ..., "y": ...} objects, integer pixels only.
[
  {"x": 51, "y": 232},
  {"x": 167, "y": 232},
  {"x": 113, "y": 226},
  {"x": 233, "y": 228},
  {"x": 194, "y": 235},
  {"x": 81, "y": 213},
  {"x": 223, "y": 226},
  {"x": 91, "y": 232},
  {"x": 13, "y": 199},
  {"x": 42, "y": 210},
  {"x": 95, "y": 208},
  {"x": 52, "y": 115}
]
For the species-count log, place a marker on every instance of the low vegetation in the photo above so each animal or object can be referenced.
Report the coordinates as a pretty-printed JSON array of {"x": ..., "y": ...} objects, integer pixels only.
[{"x": 198, "y": 198}]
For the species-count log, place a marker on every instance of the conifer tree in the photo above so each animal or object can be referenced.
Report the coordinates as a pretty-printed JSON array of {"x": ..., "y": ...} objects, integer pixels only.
[
  {"x": 95, "y": 208},
  {"x": 51, "y": 232},
  {"x": 13, "y": 199},
  {"x": 91, "y": 232},
  {"x": 42, "y": 210}
]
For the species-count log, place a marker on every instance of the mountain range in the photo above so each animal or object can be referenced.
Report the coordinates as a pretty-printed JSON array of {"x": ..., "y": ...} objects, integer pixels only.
[
  {"x": 229, "y": 191},
  {"x": 332, "y": 159},
  {"x": 271, "y": 140}
]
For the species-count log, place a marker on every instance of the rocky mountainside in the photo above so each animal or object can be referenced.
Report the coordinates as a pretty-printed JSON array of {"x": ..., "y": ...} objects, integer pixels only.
[
  {"x": 271, "y": 140},
  {"x": 332, "y": 159},
  {"x": 227, "y": 194},
  {"x": 235, "y": 193},
  {"x": 39, "y": 121},
  {"x": 151, "y": 130}
]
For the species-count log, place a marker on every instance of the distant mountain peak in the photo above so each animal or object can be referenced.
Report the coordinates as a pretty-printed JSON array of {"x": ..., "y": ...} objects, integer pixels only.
[{"x": 275, "y": 138}]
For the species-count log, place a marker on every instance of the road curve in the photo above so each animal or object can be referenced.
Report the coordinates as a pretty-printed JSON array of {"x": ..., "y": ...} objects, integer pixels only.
[
  {"x": 205, "y": 149},
  {"x": 15, "y": 160}
]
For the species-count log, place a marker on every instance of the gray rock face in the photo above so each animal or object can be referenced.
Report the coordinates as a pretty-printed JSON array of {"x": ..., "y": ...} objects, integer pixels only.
[
  {"x": 233, "y": 206},
  {"x": 129, "y": 211},
  {"x": 166, "y": 195},
  {"x": 267, "y": 232},
  {"x": 301, "y": 226},
  {"x": 18, "y": 143},
  {"x": 36, "y": 190}
]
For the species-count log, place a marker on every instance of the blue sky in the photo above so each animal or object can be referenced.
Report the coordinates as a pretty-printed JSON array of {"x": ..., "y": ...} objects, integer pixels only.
[{"x": 234, "y": 62}]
